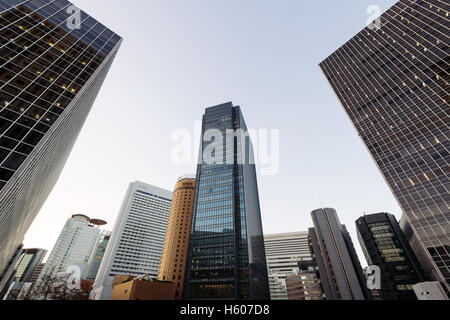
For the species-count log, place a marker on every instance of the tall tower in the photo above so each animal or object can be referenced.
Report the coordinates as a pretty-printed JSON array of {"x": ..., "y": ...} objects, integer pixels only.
[
  {"x": 339, "y": 267},
  {"x": 385, "y": 246},
  {"x": 51, "y": 71},
  {"x": 75, "y": 246},
  {"x": 227, "y": 257},
  {"x": 393, "y": 82},
  {"x": 137, "y": 239},
  {"x": 173, "y": 260}
]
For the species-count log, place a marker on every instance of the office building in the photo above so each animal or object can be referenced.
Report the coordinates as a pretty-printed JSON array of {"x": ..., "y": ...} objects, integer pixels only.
[
  {"x": 37, "y": 272},
  {"x": 142, "y": 288},
  {"x": 384, "y": 245},
  {"x": 283, "y": 253},
  {"x": 430, "y": 291},
  {"x": 50, "y": 74},
  {"x": 97, "y": 255},
  {"x": 227, "y": 257},
  {"x": 393, "y": 82},
  {"x": 173, "y": 260},
  {"x": 137, "y": 240},
  {"x": 74, "y": 247},
  {"x": 341, "y": 275},
  {"x": 7, "y": 276},
  {"x": 27, "y": 264}
]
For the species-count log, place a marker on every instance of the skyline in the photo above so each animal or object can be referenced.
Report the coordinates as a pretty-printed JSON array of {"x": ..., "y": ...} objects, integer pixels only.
[{"x": 98, "y": 187}]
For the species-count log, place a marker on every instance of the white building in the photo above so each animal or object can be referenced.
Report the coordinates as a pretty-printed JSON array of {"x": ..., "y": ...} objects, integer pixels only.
[
  {"x": 137, "y": 240},
  {"x": 74, "y": 247},
  {"x": 430, "y": 291},
  {"x": 283, "y": 252}
]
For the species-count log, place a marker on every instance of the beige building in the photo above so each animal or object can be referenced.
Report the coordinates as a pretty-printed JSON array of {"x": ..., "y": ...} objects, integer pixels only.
[
  {"x": 174, "y": 255},
  {"x": 142, "y": 288}
]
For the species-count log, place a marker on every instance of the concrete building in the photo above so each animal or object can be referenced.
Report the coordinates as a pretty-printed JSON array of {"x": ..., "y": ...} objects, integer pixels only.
[
  {"x": 27, "y": 264},
  {"x": 339, "y": 267},
  {"x": 74, "y": 247},
  {"x": 384, "y": 245},
  {"x": 137, "y": 240},
  {"x": 50, "y": 76},
  {"x": 176, "y": 243},
  {"x": 283, "y": 252},
  {"x": 143, "y": 288},
  {"x": 227, "y": 258},
  {"x": 430, "y": 291},
  {"x": 394, "y": 85}
]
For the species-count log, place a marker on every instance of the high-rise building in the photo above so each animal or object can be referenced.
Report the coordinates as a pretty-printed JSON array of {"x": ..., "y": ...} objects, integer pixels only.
[
  {"x": 283, "y": 253},
  {"x": 137, "y": 240},
  {"x": 341, "y": 275},
  {"x": 27, "y": 264},
  {"x": 7, "y": 276},
  {"x": 384, "y": 245},
  {"x": 392, "y": 79},
  {"x": 173, "y": 260},
  {"x": 227, "y": 258},
  {"x": 51, "y": 70},
  {"x": 97, "y": 255},
  {"x": 74, "y": 247}
]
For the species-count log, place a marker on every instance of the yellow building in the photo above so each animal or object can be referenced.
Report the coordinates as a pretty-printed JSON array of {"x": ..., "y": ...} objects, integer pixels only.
[
  {"x": 142, "y": 288},
  {"x": 174, "y": 255}
]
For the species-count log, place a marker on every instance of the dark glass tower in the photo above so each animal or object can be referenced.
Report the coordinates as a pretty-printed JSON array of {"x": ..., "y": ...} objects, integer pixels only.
[
  {"x": 227, "y": 257},
  {"x": 394, "y": 86},
  {"x": 51, "y": 70},
  {"x": 385, "y": 245}
]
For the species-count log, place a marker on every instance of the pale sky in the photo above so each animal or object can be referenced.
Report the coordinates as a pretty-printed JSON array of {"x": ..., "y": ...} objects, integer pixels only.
[{"x": 181, "y": 56}]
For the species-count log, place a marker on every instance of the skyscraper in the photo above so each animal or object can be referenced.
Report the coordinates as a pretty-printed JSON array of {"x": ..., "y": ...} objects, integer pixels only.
[
  {"x": 393, "y": 82},
  {"x": 339, "y": 267},
  {"x": 97, "y": 255},
  {"x": 227, "y": 257},
  {"x": 385, "y": 246},
  {"x": 74, "y": 247},
  {"x": 137, "y": 240},
  {"x": 283, "y": 253},
  {"x": 51, "y": 71},
  {"x": 176, "y": 242}
]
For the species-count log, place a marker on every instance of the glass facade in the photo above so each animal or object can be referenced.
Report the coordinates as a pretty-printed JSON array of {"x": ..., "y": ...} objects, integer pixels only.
[
  {"x": 384, "y": 245},
  {"x": 226, "y": 253},
  {"x": 394, "y": 85},
  {"x": 50, "y": 75}
]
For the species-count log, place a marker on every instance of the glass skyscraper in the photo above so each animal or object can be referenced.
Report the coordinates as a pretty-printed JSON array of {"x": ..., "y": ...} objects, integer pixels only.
[
  {"x": 393, "y": 82},
  {"x": 226, "y": 254},
  {"x": 51, "y": 70}
]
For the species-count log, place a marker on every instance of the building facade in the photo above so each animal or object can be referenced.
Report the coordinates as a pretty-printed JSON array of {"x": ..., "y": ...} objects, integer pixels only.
[
  {"x": 74, "y": 247},
  {"x": 393, "y": 82},
  {"x": 174, "y": 255},
  {"x": 97, "y": 255},
  {"x": 143, "y": 288},
  {"x": 137, "y": 240},
  {"x": 384, "y": 245},
  {"x": 50, "y": 74},
  {"x": 341, "y": 275},
  {"x": 27, "y": 264},
  {"x": 283, "y": 253},
  {"x": 227, "y": 257},
  {"x": 430, "y": 291}
]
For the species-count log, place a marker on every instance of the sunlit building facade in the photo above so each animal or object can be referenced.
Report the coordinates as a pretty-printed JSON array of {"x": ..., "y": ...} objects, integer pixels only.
[
  {"x": 174, "y": 255},
  {"x": 51, "y": 71},
  {"x": 393, "y": 82}
]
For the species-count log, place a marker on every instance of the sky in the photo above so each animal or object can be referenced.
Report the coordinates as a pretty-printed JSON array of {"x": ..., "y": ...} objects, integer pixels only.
[{"x": 179, "y": 57}]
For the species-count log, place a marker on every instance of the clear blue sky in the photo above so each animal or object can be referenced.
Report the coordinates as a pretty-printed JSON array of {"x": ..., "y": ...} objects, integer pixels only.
[{"x": 180, "y": 56}]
